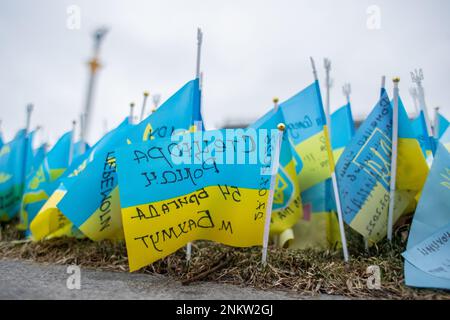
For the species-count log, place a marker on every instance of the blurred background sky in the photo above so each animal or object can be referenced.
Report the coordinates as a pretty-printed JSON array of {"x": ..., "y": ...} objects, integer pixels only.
[{"x": 253, "y": 50}]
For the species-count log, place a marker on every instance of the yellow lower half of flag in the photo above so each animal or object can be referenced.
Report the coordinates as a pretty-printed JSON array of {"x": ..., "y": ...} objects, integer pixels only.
[
  {"x": 337, "y": 153},
  {"x": 232, "y": 219},
  {"x": 314, "y": 154},
  {"x": 371, "y": 220},
  {"x": 28, "y": 198},
  {"x": 320, "y": 232},
  {"x": 412, "y": 168},
  {"x": 105, "y": 222},
  {"x": 49, "y": 220}
]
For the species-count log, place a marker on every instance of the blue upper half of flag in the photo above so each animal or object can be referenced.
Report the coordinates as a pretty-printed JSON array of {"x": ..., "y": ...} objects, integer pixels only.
[
  {"x": 342, "y": 127},
  {"x": 304, "y": 114},
  {"x": 188, "y": 163}
]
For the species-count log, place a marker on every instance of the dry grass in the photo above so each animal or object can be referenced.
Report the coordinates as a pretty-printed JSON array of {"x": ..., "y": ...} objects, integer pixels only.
[{"x": 304, "y": 271}]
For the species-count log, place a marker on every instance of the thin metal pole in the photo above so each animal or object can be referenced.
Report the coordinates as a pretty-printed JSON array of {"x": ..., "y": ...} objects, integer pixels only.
[
  {"x": 393, "y": 161},
  {"x": 144, "y": 101},
  {"x": 72, "y": 143},
  {"x": 333, "y": 178},
  {"x": 436, "y": 123}
]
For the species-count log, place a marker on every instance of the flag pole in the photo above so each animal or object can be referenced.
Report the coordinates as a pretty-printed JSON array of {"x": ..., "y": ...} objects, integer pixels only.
[
  {"x": 82, "y": 126},
  {"x": 347, "y": 90},
  {"x": 197, "y": 76},
  {"x": 436, "y": 122},
  {"x": 155, "y": 99},
  {"x": 144, "y": 101},
  {"x": 131, "y": 116},
  {"x": 393, "y": 161},
  {"x": 417, "y": 77},
  {"x": 72, "y": 142},
  {"x": 413, "y": 93},
  {"x": 333, "y": 177},
  {"x": 328, "y": 84},
  {"x": 274, "y": 169},
  {"x": 29, "y": 111}
]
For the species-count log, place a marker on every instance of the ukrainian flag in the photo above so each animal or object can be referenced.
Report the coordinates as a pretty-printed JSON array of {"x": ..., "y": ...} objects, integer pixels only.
[
  {"x": 342, "y": 129},
  {"x": 364, "y": 171},
  {"x": 442, "y": 124},
  {"x": 181, "y": 189},
  {"x": 419, "y": 127},
  {"x": 45, "y": 179},
  {"x": 16, "y": 157},
  {"x": 287, "y": 202},
  {"x": 426, "y": 258},
  {"x": 51, "y": 219},
  {"x": 97, "y": 213},
  {"x": 305, "y": 128}
]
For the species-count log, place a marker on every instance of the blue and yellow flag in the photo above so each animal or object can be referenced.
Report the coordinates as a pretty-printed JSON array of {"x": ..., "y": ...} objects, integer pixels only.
[
  {"x": 16, "y": 158},
  {"x": 51, "y": 218},
  {"x": 364, "y": 171},
  {"x": 342, "y": 129},
  {"x": 45, "y": 179},
  {"x": 39, "y": 155},
  {"x": 428, "y": 250},
  {"x": 97, "y": 213},
  {"x": 442, "y": 125},
  {"x": 287, "y": 203},
  {"x": 211, "y": 185},
  {"x": 419, "y": 127},
  {"x": 306, "y": 131}
]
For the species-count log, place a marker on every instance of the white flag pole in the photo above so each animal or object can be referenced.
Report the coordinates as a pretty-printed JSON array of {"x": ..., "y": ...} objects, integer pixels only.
[
  {"x": 334, "y": 179},
  {"x": 347, "y": 90},
  {"x": 155, "y": 98},
  {"x": 328, "y": 84},
  {"x": 29, "y": 111},
  {"x": 393, "y": 161},
  {"x": 197, "y": 76},
  {"x": 131, "y": 116},
  {"x": 72, "y": 142},
  {"x": 274, "y": 170},
  {"x": 144, "y": 101},
  {"x": 413, "y": 93},
  {"x": 436, "y": 122},
  {"x": 82, "y": 130},
  {"x": 417, "y": 77}
]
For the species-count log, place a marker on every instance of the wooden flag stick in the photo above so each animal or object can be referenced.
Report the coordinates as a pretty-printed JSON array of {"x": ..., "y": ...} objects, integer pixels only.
[
  {"x": 393, "y": 161},
  {"x": 333, "y": 177},
  {"x": 144, "y": 101},
  {"x": 274, "y": 170}
]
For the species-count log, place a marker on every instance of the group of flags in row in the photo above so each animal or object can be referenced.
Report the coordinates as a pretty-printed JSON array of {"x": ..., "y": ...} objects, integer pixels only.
[{"x": 129, "y": 185}]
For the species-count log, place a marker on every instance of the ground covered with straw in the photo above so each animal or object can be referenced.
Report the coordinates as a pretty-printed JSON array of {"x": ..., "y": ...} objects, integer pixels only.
[{"x": 306, "y": 272}]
